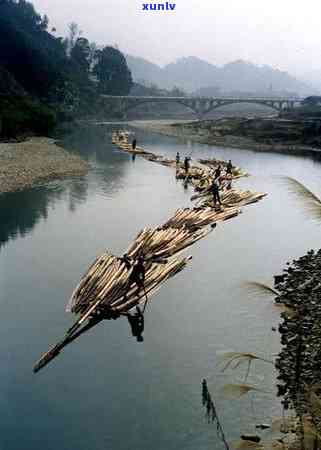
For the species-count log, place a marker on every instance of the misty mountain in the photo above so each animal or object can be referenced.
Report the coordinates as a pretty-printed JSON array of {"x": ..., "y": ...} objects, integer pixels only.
[
  {"x": 194, "y": 74},
  {"x": 144, "y": 71}
]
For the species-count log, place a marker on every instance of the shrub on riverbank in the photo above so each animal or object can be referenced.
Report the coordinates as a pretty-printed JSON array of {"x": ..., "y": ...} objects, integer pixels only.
[{"x": 22, "y": 115}]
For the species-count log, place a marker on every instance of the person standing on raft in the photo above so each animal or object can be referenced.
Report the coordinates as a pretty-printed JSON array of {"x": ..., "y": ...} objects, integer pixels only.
[
  {"x": 178, "y": 158},
  {"x": 216, "y": 193},
  {"x": 186, "y": 164},
  {"x": 137, "y": 275},
  {"x": 134, "y": 143},
  {"x": 217, "y": 172},
  {"x": 229, "y": 167}
]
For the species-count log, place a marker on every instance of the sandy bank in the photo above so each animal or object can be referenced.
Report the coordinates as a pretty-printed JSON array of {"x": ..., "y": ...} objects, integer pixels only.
[
  {"x": 24, "y": 164},
  {"x": 182, "y": 129}
]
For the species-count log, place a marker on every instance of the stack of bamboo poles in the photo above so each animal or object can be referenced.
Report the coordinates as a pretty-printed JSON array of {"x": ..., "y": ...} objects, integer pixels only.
[
  {"x": 194, "y": 173},
  {"x": 120, "y": 136},
  {"x": 106, "y": 284},
  {"x": 229, "y": 198},
  {"x": 194, "y": 218},
  {"x": 212, "y": 163},
  {"x": 200, "y": 176},
  {"x": 107, "y": 278},
  {"x": 125, "y": 146}
]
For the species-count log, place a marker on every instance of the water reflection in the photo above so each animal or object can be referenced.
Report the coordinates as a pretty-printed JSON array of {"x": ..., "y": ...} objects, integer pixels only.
[
  {"x": 108, "y": 165},
  {"x": 77, "y": 193},
  {"x": 21, "y": 211}
]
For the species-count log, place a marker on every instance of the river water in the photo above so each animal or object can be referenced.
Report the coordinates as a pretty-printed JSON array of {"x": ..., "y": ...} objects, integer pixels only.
[{"x": 106, "y": 391}]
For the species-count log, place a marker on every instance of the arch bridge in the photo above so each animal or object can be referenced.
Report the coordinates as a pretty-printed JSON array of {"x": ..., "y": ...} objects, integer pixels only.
[{"x": 199, "y": 105}]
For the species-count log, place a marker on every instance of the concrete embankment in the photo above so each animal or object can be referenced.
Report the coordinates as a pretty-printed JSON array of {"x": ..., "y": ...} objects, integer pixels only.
[{"x": 24, "y": 164}]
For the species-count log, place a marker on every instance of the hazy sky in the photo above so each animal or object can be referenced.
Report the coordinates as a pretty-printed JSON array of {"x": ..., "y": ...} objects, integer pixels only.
[{"x": 282, "y": 33}]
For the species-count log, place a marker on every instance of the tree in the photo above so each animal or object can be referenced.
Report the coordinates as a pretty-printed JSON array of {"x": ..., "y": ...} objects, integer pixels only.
[
  {"x": 73, "y": 33},
  {"x": 80, "y": 54},
  {"x": 35, "y": 58},
  {"x": 112, "y": 72},
  {"x": 44, "y": 22},
  {"x": 92, "y": 59}
]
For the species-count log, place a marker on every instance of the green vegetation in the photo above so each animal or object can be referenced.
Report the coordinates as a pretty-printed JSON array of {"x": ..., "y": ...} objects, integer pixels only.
[
  {"x": 21, "y": 115},
  {"x": 44, "y": 78}
]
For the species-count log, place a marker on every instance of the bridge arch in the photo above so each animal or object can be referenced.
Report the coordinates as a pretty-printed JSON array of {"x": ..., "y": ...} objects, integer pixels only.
[
  {"x": 129, "y": 106},
  {"x": 219, "y": 104}
]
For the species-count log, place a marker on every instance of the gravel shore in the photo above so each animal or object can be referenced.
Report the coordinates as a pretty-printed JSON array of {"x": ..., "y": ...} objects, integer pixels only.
[
  {"x": 24, "y": 164},
  {"x": 184, "y": 129}
]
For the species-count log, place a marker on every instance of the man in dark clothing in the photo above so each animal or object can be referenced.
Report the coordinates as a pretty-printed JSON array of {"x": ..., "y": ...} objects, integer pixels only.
[
  {"x": 186, "y": 164},
  {"x": 126, "y": 260},
  {"x": 229, "y": 167},
  {"x": 178, "y": 158},
  {"x": 216, "y": 193},
  {"x": 134, "y": 144},
  {"x": 136, "y": 323},
  {"x": 217, "y": 172},
  {"x": 137, "y": 275}
]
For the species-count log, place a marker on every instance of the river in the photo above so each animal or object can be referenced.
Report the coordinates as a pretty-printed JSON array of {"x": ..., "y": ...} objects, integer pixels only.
[{"x": 106, "y": 391}]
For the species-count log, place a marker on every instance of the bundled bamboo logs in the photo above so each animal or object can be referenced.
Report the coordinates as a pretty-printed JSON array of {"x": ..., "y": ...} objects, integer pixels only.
[
  {"x": 106, "y": 285},
  {"x": 200, "y": 175},
  {"x": 212, "y": 163},
  {"x": 194, "y": 218},
  {"x": 194, "y": 173},
  {"x": 107, "y": 278},
  {"x": 229, "y": 198}
]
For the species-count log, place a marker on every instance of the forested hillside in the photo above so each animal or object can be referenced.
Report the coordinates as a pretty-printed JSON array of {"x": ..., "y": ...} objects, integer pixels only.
[{"x": 44, "y": 77}]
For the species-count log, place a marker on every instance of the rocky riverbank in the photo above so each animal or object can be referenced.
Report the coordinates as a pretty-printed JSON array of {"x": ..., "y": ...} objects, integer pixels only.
[
  {"x": 24, "y": 164},
  {"x": 260, "y": 134},
  {"x": 299, "y": 362}
]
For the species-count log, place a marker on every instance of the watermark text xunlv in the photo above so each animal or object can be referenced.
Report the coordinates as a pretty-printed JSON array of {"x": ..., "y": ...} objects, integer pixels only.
[{"x": 159, "y": 6}]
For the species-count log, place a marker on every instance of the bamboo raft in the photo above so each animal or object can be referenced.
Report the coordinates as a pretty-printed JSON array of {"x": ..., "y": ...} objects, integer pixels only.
[
  {"x": 106, "y": 282},
  {"x": 200, "y": 176},
  {"x": 194, "y": 218},
  {"x": 105, "y": 286},
  {"x": 212, "y": 163},
  {"x": 107, "y": 279},
  {"x": 229, "y": 198}
]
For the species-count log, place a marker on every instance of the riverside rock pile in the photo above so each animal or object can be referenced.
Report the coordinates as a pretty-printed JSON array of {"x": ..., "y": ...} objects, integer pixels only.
[
  {"x": 24, "y": 164},
  {"x": 299, "y": 362}
]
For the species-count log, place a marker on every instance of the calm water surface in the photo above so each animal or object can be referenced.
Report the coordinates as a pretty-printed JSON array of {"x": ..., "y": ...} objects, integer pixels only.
[{"x": 106, "y": 391}]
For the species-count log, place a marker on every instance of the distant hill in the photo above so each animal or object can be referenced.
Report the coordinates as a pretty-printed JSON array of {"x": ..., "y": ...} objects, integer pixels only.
[
  {"x": 192, "y": 74},
  {"x": 144, "y": 70}
]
